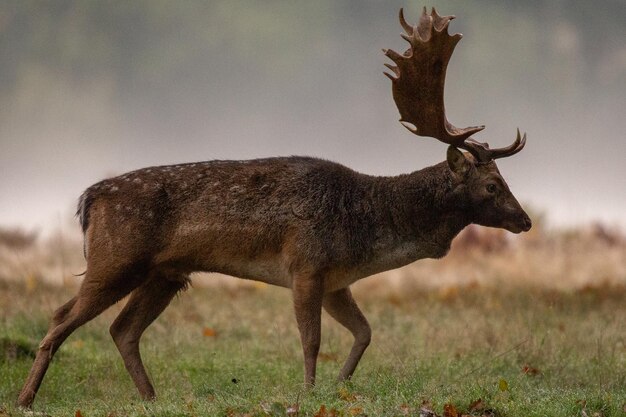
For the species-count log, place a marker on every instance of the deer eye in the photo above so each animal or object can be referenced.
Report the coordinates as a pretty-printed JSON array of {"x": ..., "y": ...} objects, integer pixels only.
[{"x": 491, "y": 188}]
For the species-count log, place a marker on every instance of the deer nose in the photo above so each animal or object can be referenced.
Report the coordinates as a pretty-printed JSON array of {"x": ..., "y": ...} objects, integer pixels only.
[{"x": 527, "y": 223}]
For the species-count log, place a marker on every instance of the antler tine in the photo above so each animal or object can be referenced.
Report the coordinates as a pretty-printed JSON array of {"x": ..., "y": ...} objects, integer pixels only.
[
  {"x": 482, "y": 153},
  {"x": 424, "y": 25},
  {"x": 419, "y": 80},
  {"x": 441, "y": 22},
  {"x": 407, "y": 28},
  {"x": 512, "y": 149}
]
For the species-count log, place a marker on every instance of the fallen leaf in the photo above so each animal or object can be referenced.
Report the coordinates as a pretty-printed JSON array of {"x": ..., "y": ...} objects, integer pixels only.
[
  {"x": 326, "y": 413},
  {"x": 405, "y": 410},
  {"x": 322, "y": 412},
  {"x": 450, "y": 410},
  {"x": 78, "y": 414},
  {"x": 503, "y": 385},
  {"x": 346, "y": 395},
  {"x": 209, "y": 332},
  {"x": 477, "y": 405},
  {"x": 356, "y": 411},
  {"x": 529, "y": 370}
]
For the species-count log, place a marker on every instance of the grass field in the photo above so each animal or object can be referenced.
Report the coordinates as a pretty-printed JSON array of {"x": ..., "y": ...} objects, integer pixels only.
[
  {"x": 521, "y": 348},
  {"x": 219, "y": 351}
]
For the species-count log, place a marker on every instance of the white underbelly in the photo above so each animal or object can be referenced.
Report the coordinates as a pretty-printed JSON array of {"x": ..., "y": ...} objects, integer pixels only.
[{"x": 270, "y": 272}]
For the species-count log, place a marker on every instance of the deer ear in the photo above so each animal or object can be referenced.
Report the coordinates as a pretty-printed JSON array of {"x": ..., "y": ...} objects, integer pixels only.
[{"x": 457, "y": 161}]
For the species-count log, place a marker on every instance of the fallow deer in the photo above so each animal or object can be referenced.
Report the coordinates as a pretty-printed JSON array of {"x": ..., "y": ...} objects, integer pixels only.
[{"x": 303, "y": 223}]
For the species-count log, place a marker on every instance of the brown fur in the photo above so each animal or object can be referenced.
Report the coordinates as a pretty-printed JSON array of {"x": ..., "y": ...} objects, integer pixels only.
[{"x": 307, "y": 224}]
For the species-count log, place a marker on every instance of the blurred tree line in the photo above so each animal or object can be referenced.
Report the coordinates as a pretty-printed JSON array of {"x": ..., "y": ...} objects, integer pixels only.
[{"x": 153, "y": 54}]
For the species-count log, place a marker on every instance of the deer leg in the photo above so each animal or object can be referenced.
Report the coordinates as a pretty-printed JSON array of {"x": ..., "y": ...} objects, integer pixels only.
[
  {"x": 342, "y": 307},
  {"x": 61, "y": 313},
  {"x": 96, "y": 294},
  {"x": 58, "y": 317},
  {"x": 308, "y": 291},
  {"x": 144, "y": 306}
]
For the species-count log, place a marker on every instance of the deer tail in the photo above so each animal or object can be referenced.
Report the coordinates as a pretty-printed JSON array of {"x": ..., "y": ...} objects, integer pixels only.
[{"x": 82, "y": 212}]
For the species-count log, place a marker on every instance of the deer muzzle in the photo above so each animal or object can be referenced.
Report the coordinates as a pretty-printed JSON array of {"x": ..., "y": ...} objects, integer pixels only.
[{"x": 519, "y": 223}]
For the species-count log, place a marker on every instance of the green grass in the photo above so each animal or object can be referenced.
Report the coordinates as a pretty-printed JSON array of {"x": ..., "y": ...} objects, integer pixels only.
[{"x": 427, "y": 348}]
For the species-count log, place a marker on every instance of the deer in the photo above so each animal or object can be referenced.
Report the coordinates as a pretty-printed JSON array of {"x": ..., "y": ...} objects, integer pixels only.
[{"x": 303, "y": 223}]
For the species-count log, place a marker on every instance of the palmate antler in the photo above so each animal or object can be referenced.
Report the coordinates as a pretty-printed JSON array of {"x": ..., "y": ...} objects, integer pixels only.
[{"x": 418, "y": 85}]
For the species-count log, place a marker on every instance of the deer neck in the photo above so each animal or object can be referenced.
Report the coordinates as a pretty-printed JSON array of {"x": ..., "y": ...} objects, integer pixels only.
[{"x": 426, "y": 212}]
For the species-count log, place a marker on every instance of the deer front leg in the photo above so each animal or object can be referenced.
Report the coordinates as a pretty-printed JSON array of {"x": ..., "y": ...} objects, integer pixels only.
[
  {"x": 308, "y": 291},
  {"x": 342, "y": 307}
]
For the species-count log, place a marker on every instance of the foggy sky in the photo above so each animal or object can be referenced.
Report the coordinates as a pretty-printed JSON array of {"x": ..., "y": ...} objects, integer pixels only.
[{"x": 239, "y": 80}]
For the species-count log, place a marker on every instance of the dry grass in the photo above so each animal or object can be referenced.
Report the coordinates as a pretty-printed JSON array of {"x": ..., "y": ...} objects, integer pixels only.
[
  {"x": 557, "y": 261},
  {"x": 560, "y": 260}
]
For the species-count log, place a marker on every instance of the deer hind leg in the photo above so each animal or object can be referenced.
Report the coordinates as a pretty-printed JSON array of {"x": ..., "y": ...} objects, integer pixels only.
[
  {"x": 307, "y": 300},
  {"x": 61, "y": 313},
  {"x": 342, "y": 307},
  {"x": 144, "y": 306},
  {"x": 97, "y": 293}
]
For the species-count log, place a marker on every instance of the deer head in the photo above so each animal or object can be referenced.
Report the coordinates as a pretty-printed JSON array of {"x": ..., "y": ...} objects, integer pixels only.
[{"x": 418, "y": 81}]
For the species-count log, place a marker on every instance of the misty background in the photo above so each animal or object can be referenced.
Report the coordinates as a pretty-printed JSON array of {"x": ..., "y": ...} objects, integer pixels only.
[{"x": 90, "y": 89}]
